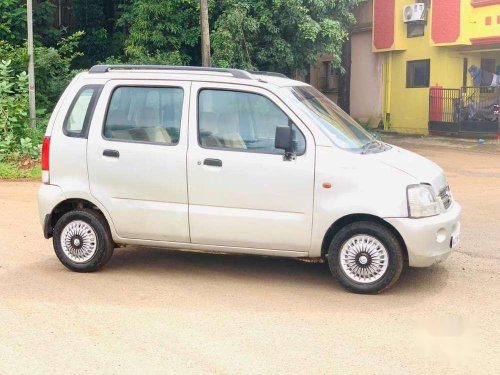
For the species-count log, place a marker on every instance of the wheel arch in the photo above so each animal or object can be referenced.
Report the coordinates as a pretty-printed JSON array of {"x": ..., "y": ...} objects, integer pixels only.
[
  {"x": 65, "y": 206},
  {"x": 352, "y": 218}
]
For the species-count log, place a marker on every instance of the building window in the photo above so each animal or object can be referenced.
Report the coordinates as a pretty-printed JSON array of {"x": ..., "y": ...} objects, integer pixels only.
[
  {"x": 418, "y": 73},
  {"x": 414, "y": 30},
  {"x": 328, "y": 77}
]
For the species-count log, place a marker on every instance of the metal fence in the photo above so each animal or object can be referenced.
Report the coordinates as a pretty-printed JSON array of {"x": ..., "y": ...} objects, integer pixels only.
[
  {"x": 444, "y": 104},
  {"x": 464, "y": 110}
]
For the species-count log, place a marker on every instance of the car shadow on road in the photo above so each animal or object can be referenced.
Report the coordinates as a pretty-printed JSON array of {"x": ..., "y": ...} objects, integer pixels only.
[
  {"x": 224, "y": 267},
  {"x": 158, "y": 262},
  {"x": 156, "y": 277}
]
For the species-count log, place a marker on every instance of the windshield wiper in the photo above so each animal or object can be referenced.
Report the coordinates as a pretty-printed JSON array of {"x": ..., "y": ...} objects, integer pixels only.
[{"x": 371, "y": 145}]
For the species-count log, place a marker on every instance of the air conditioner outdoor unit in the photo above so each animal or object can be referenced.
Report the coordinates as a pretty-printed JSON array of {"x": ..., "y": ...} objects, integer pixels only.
[{"x": 414, "y": 13}]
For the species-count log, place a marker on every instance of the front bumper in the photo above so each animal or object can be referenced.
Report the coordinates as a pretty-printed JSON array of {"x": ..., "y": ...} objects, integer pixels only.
[{"x": 429, "y": 240}]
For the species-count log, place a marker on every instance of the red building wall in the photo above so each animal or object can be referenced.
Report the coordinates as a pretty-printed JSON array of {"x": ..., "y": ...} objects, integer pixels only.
[
  {"x": 445, "y": 21},
  {"x": 383, "y": 23}
]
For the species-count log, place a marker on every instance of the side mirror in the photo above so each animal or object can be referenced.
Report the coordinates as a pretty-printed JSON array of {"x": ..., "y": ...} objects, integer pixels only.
[{"x": 283, "y": 139}]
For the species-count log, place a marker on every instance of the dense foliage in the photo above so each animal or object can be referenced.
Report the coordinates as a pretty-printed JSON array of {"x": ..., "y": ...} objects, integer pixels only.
[
  {"x": 103, "y": 38},
  {"x": 162, "y": 31},
  {"x": 279, "y": 35},
  {"x": 53, "y": 72},
  {"x": 53, "y": 69},
  {"x": 13, "y": 22},
  {"x": 13, "y": 113}
]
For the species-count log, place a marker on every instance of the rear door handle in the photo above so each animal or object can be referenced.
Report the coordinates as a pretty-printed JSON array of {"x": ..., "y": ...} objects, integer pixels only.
[
  {"x": 213, "y": 162},
  {"x": 111, "y": 153}
]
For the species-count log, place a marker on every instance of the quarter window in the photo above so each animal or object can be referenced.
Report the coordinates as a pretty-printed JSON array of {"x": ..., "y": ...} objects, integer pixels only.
[
  {"x": 79, "y": 113},
  {"x": 242, "y": 121},
  {"x": 145, "y": 114}
]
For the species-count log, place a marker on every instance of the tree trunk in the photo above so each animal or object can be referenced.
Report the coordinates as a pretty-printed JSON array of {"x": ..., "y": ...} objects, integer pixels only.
[
  {"x": 344, "y": 101},
  {"x": 205, "y": 34}
]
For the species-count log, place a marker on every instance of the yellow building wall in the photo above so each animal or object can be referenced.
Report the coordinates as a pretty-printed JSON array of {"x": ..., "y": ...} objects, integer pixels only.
[
  {"x": 409, "y": 107},
  {"x": 406, "y": 110},
  {"x": 473, "y": 23}
]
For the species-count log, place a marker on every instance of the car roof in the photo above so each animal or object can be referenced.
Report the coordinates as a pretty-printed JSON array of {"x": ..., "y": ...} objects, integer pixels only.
[{"x": 191, "y": 73}]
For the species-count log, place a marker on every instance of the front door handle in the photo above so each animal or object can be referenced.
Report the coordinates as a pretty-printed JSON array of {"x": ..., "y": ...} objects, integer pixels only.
[
  {"x": 213, "y": 162},
  {"x": 111, "y": 153}
]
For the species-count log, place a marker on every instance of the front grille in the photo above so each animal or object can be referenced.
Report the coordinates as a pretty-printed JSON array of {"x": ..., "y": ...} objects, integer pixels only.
[{"x": 446, "y": 198}]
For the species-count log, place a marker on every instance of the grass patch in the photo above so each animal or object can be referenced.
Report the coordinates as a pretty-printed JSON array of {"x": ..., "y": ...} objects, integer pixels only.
[{"x": 27, "y": 170}]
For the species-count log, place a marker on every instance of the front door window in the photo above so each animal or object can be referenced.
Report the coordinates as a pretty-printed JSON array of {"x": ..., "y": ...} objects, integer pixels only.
[{"x": 242, "y": 121}]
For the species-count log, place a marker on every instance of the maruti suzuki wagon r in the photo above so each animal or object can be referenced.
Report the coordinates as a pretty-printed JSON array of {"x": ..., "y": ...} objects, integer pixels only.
[{"x": 231, "y": 161}]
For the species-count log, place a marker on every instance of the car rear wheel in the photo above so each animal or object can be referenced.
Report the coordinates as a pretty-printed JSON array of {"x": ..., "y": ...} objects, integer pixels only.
[
  {"x": 82, "y": 240},
  {"x": 365, "y": 257}
]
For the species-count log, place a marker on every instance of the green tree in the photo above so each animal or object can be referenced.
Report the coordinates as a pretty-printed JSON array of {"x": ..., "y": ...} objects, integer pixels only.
[
  {"x": 162, "y": 31},
  {"x": 13, "y": 22},
  {"x": 53, "y": 69},
  {"x": 280, "y": 35},
  {"x": 97, "y": 18}
]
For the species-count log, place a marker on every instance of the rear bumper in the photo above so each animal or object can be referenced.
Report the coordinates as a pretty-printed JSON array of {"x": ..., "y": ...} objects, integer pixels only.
[
  {"x": 429, "y": 240},
  {"x": 49, "y": 196}
]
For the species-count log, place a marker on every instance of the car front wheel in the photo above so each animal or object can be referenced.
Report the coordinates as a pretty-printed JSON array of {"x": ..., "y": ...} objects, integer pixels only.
[{"x": 365, "y": 257}]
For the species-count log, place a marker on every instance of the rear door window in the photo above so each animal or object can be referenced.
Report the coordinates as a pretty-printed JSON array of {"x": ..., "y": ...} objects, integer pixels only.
[{"x": 145, "y": 114}]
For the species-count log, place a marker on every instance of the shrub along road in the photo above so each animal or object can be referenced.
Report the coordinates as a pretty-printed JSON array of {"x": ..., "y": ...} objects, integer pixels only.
[{"x": 159, "y": 311}]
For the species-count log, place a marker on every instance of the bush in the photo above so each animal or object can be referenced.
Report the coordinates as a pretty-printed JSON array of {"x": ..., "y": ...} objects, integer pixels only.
[
  {"x": 13, "y": 107},
  {"x": 18, "y": 140},
  {"x": 52, "y": 67},
  {"x": 53, "y": 70}
]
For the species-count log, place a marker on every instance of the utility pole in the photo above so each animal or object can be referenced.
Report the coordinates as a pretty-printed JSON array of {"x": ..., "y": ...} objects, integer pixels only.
[
  {"x": 31, "y": 65},
  {"x": 205, "y": 34}
]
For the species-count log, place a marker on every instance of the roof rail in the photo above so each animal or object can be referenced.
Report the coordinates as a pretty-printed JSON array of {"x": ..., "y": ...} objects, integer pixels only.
[
  {"x": 271, "y": 74},
  {"x": 236, "y": 73}
]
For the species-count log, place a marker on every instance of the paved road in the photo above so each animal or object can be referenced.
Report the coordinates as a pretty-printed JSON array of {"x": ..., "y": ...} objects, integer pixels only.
[{"x": 159, "y": 311}]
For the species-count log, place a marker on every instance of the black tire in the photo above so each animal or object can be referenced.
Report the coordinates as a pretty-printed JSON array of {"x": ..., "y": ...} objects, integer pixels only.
[
  {"x": 105, "y": 245},
  {"x": 388, "y": 240}
]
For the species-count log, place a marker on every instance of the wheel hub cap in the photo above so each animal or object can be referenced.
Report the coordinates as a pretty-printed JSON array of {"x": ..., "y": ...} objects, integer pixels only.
[
  {"x": 364, "y": 259},
  {"x": 79, "y": 241}
]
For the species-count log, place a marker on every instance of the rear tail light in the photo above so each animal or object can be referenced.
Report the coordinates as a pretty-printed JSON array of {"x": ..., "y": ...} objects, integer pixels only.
[{"x": 45, "y": 159}]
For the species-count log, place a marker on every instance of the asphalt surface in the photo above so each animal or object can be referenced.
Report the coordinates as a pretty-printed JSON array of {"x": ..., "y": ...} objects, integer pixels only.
[{"x": 159, "y": 311}]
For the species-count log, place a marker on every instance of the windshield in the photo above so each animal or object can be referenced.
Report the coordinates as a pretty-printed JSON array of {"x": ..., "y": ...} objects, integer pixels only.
[{"x": 340, "y": 127}]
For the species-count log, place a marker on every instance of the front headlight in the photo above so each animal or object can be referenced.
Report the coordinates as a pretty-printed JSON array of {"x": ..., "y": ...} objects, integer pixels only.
[{"x": 422, "y": 201}]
